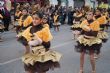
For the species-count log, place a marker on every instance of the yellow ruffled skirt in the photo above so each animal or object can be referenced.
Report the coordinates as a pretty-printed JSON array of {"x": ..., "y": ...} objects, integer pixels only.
[
  {"x": 103, "y": 35},
  {"x": 75, "y": 27},
  {"x": 87, "y": 44},
  {"x": 89, "y": 41},
  {"x": 41, "y": 60}
]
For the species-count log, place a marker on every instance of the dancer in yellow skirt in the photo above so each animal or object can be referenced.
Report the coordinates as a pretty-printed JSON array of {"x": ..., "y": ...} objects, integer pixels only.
[
  {"x": 88, "y": 42},
  {"x": 25, "y": 21},
  {"x": 102, "y": 19},
  {"x": 76, "y": 24},
  {"x": 56, "y": 21},
  {"x": 36, "y": 39},
  {"x": 18, "y": 14},
  {"x": 103, "y": 23}
]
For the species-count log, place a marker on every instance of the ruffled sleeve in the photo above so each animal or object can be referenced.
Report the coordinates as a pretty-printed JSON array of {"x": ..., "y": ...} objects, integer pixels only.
[
  {"x": 95, "y": 26},
  {"x": 26, "y": 34},
  {"x": 46, "y": 34},
  {"x": 83, "y": 23},
  {"x": 102, "y": 20},
  {"x": 28, "y": 21}
]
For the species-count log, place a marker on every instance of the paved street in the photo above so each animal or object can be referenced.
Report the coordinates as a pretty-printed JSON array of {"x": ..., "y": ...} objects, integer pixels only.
[{"x": 11, "y": 52}]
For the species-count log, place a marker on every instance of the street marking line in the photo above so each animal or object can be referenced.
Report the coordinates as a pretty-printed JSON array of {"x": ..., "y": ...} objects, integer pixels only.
[
  {"x": 13, "y": 60},
  {"x": 10, "y": 61}
]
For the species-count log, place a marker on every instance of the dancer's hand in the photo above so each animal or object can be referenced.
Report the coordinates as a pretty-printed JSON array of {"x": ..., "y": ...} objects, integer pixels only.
[{"x": 33, "y": 42}]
